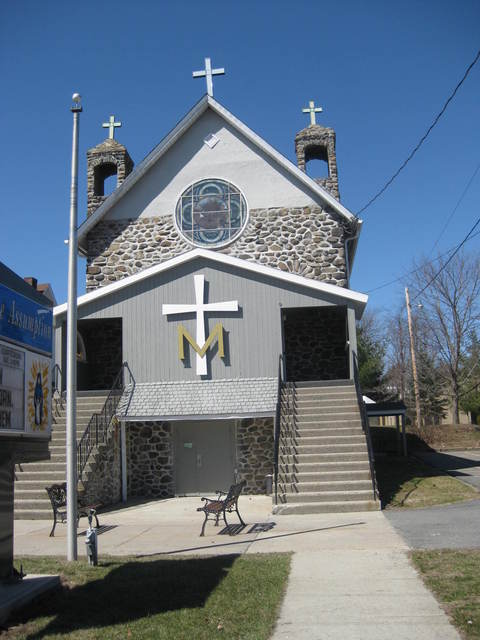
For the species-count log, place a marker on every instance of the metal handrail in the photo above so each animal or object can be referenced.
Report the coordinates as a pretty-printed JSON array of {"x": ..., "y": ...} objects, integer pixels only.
[
  {"x": 284, "y": 420},
  {"x": 100, "y": 424},
  {"x": 365, "y": 425},
  {"x": 56, "y": 376},
  {"x": 277, "y": 425}
]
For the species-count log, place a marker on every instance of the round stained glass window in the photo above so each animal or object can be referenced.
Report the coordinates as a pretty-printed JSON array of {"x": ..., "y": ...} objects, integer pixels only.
[{"x": 211, "y": 213}]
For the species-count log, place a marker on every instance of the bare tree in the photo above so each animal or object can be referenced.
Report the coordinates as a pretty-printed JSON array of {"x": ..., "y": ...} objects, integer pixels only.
[
  {"x": 398, "y": 357},
  {"x": 449, "y": 293}
]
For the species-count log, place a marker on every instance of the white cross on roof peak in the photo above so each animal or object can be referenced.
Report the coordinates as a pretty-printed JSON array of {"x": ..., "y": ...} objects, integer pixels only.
[{"x": 208, "y": 73}]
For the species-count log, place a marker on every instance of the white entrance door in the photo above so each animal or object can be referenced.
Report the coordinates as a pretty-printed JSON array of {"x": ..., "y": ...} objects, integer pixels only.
[{"x": 204, "y": 456}]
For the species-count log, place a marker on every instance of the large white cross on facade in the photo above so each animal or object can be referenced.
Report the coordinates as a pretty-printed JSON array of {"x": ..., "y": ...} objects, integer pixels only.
[
  {"x": 208, "y": 73},
  {"x": 200, "y": 308}
]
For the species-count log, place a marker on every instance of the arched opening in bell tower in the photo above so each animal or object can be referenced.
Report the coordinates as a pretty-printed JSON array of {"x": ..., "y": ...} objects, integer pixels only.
[
  {"x": 105, "y": 179},
  {"x": 316, "y": 162}
]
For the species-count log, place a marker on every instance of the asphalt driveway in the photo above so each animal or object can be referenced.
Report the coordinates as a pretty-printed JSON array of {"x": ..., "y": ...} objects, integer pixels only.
[
  {"x": 454, "y": 526},
  {"x": 464, "y": 465}
]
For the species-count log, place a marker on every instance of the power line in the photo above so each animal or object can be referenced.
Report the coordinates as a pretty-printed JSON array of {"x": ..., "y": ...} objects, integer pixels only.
[
  {"x": 456, "y": 206},
  {"x": 457, "y": 249},
  {"x": 424, "y": 137},
  {"x": 402, "y": 278}
]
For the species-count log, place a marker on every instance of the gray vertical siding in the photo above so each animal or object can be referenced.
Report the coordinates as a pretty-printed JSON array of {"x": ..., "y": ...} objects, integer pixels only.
[{"x": 253, "y": 335}]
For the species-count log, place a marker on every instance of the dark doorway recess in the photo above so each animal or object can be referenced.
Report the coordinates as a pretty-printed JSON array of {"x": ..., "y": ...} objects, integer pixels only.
[
  {"x": 315, "y": 342},
  {"x": 102, "y": 340}
]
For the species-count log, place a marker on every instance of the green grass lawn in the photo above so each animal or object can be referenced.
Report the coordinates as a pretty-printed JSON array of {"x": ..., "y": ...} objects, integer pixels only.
[
  {"x": 158, "y": 598},
  {"x": 454, "y": 578},
  {"x": 409, "y": 483}
]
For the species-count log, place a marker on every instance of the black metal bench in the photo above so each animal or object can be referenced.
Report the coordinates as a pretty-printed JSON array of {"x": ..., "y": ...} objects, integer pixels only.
[
  {"x": 214, "y": 508},
  {"x": 58, "y": 498}
]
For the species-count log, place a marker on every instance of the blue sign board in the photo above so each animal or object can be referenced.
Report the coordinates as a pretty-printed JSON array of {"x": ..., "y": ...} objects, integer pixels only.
[{"x": 24, "y": 321}]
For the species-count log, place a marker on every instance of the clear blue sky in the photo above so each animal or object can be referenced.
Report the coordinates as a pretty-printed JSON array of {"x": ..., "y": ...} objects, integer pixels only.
[{"x": 381, "y": 71}]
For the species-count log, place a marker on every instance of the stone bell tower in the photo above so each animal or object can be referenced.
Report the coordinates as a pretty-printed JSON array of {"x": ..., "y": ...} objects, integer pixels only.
[
  {"x": 318, "y": 143},
  {"x": 107, "y": 159}
]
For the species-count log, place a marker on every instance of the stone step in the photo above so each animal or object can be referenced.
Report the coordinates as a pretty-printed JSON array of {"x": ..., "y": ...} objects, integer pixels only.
[
  {"x": 316, "y": 410},
  {"x": 326, "y": 496},
  {"x": 58, "y": 457},
  {"x": 326, "y": 430},
  {"x": 31, "y": 494},
  {"x": 45, "y": 465},
  {"x": 326, "y": 486},
  {"x": 81, "y": 420},
  {"x": 43, "y": 478},
  {"x": 336, "y": 416},
  {"x": 39, "y": 504},
  {"x": 321, "y": 401},
  {"x": 345, "y": 506},
  {"x": 323, "y": 476},
  {"x": 302, "y": 449},
  {"x": 60, "y": 439},
  {"x": 360, "y": 457},
  {"x": 321, "y": 439},
  {"x": 33, "y": 514},
  {"x": 323, "y": 391},
  {"x": 313, "y": 424},
  {"x": 331, "y": 397}
]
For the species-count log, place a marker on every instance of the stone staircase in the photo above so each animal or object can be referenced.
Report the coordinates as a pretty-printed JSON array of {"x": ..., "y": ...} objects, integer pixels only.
[
  {"x": 31, "y": 500},
  {"x": 323, "y": 456}
]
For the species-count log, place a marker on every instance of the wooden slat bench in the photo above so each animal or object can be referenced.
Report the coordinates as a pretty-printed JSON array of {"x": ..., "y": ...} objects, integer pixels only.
[
  {"x": 58, "y": 498},
  {"x": 214, "y": 508}
]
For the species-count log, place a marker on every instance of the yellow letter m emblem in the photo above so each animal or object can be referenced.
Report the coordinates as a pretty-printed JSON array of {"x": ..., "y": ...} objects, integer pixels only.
[{"x": 216, "y": 333}]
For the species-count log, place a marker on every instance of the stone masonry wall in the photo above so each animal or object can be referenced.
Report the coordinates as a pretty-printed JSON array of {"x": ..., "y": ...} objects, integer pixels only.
[
  {"x": 307, "y": 241},
  {"x": 254, "y": 452},
  {"x": 103, "y": 475},
  {"x": 150, "y": 459}
]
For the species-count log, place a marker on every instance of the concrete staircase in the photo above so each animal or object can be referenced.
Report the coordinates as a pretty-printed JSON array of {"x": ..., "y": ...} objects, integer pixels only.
[
  {"x": 31, "y": 499},
  {"x": 323, "y": 457}
]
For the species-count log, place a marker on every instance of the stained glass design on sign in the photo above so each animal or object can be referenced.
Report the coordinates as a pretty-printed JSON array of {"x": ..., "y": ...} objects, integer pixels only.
[{"x": 211, "y": 213}]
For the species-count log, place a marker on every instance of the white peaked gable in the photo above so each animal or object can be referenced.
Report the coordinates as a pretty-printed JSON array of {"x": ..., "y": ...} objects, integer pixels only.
[
  {"x": 233, "y": 158},
  {"x": 266, "y": 178}
]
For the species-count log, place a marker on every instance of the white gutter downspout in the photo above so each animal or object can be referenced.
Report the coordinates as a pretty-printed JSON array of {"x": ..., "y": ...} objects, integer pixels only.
[{"x": 347, "y": 263}]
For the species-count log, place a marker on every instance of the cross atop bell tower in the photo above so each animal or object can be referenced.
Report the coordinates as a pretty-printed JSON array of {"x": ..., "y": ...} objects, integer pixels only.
[
  {"x": 109, "y": 158},
  {"x": 312, "y": 110},
  {"x": 316, "y": 142},
  {"x": 111, "y": 125}
]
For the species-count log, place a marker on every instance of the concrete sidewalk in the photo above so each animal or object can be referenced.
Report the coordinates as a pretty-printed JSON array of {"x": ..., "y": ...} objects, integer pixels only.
[{"x": 350, "y": 577}]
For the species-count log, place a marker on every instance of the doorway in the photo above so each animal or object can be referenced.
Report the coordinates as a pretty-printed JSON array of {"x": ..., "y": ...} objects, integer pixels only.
[
  {"x": 315, "y": 343},
  {"x": 204, "y": 456}
]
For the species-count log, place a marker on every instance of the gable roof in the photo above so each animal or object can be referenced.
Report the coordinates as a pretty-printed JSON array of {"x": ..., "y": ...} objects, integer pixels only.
[
  {"x": 207, "y": 102},
  {"x": 359, "y": 300}
]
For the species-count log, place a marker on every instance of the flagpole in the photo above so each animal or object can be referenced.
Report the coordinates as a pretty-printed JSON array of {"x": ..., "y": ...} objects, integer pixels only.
[{"x": 72, "y": 344}]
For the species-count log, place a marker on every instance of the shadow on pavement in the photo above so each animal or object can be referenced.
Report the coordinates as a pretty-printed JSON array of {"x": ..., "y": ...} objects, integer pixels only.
[{"x": 248, "y": 541}]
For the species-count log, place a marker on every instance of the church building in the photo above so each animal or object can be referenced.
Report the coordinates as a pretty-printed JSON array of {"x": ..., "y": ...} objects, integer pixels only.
[{"x": 218, "y": 271}]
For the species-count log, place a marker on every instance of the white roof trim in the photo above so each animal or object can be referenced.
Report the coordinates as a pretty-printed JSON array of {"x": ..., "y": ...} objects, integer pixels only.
[
  {"x": 214, "y": 416},
  {"x": 292, "y": 278},
  {"x": 177, "y": 132}
]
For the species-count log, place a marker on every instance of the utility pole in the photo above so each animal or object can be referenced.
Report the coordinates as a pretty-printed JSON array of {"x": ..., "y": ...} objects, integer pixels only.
[
  {"x": 72, "y": 345},
  {"x": 414, "y": 361}
]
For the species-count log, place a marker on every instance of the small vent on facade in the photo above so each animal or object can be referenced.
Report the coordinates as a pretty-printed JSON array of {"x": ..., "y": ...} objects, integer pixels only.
[{"x": 211, "y": 140}]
